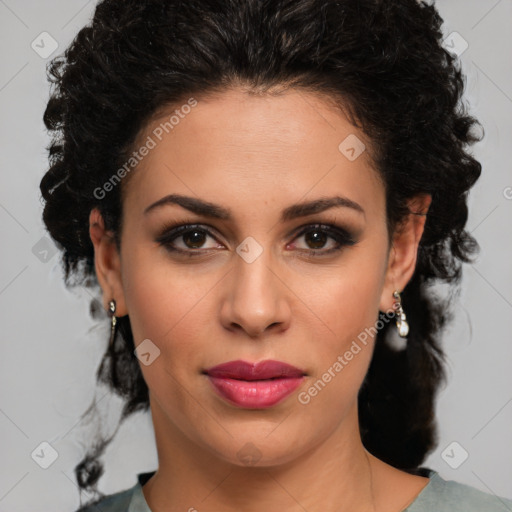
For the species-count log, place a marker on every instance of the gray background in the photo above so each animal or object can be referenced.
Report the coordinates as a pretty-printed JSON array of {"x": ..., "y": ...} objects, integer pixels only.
[{"x": 51, "y": 348}]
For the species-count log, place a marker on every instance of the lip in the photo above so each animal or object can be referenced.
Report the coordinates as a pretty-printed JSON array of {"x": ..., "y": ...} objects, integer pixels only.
[
  {"x": 242, "y": 370},
  {"x": 255, "y": 385}
]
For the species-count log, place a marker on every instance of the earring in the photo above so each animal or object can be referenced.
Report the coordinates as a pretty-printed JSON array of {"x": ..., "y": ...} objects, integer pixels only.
[
  {"x": 401, "y": 321},
  {"x": 112, "y": 311}
]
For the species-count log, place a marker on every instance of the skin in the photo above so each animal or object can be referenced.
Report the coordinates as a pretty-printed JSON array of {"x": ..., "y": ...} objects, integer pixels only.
[{"x": 257, "y": 155}]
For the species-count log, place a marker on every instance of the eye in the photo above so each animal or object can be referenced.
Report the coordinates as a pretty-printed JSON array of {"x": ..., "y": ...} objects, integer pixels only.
[
  {"x": 191, "y": 240},
  {"x": 319, "y": 236},
  {"x": 187, "y": 238}
]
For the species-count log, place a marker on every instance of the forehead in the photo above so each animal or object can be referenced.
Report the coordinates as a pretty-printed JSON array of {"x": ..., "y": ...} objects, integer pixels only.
[{"x": 282, "y": 147}]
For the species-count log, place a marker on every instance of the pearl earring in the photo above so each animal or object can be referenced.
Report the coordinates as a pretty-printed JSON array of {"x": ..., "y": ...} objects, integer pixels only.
[
  {"x": 112, "y": 311},
  {"x": 401, "y": 321}
]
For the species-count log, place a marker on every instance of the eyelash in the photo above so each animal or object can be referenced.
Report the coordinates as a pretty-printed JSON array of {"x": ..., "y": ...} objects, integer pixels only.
[{"x": 340, "y": 235}]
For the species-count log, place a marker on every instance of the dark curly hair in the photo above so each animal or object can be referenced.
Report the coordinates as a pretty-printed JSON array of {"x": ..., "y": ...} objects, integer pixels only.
[{"x": 382, "y": 61}]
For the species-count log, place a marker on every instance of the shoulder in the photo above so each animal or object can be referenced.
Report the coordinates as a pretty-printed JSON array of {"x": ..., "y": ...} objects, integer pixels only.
[
  {"x": 128, "y": 500},
  {"x": 442, "y": 495},
  {"x": 462, "y": 497},
  {"x": 118, "y": 502}
]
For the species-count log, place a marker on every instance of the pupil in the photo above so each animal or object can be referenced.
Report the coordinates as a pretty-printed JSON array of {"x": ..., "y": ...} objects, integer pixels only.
[{"x": 316, "y": 238}]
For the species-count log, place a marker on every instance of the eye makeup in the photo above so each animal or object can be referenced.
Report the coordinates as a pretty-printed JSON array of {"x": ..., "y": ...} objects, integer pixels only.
[{"x": 189, "y": 239}]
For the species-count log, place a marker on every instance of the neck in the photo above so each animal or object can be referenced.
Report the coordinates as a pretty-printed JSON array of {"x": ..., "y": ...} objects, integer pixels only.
[{"x": 334, "y": 474}]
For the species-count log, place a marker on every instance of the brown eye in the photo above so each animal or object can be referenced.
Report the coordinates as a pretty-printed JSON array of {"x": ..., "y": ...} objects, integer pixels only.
[
  {"x": 191, "y": 240},
  {"x": 194, "y": 239},
  {"x": 188, "y": 239},
  {"x": 322, "y": 239},
  {"x": 316, "y": 239}
]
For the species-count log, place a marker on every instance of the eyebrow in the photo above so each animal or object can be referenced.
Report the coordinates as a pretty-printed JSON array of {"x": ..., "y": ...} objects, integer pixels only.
[{"x": 294, "y": 211}]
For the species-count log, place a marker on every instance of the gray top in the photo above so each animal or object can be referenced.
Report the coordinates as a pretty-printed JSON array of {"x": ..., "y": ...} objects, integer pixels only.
[{"x": 438, "y": 495}]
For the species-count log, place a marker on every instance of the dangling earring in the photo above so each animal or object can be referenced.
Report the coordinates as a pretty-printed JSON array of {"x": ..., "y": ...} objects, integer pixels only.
[
  {"x": 401, "y": 321},
  {"x": 112, "y": 311}
]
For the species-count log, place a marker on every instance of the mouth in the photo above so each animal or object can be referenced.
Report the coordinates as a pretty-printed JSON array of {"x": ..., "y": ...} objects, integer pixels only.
[
  {"x": 254, "y": 386},
  {"x": 264, "y": 370}
]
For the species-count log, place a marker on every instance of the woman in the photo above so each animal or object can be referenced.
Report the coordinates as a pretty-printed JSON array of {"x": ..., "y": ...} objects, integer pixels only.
[{"x": 264, "y": 192}]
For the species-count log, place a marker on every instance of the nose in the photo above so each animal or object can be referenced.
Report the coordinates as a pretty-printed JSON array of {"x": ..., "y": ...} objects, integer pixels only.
[{"x": 256, "y": 298}]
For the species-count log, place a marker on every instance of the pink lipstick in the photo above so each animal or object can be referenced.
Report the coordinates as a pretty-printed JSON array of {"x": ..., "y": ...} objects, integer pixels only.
[{"x": 255, "y": 385}]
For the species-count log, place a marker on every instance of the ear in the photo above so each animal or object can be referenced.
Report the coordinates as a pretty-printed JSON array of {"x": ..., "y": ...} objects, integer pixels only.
[
  {"x": 404, "y": 249},
  {"x": 107, "y": 263}
]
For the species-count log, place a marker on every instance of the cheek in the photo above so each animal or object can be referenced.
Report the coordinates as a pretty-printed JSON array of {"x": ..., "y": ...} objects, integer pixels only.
[
  {"x": 165, "y": 309},
  {"x": 346, "y": 310},
  {"x": 342, "y": 352},
  {"x": 168, "y": 305},
  {"x": 158, "y": 294},
  {"x": 346, "y": 299}
]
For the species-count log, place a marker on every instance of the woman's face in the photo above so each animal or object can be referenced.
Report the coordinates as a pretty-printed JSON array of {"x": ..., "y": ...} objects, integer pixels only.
[{"x": 287, "y": 260}]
